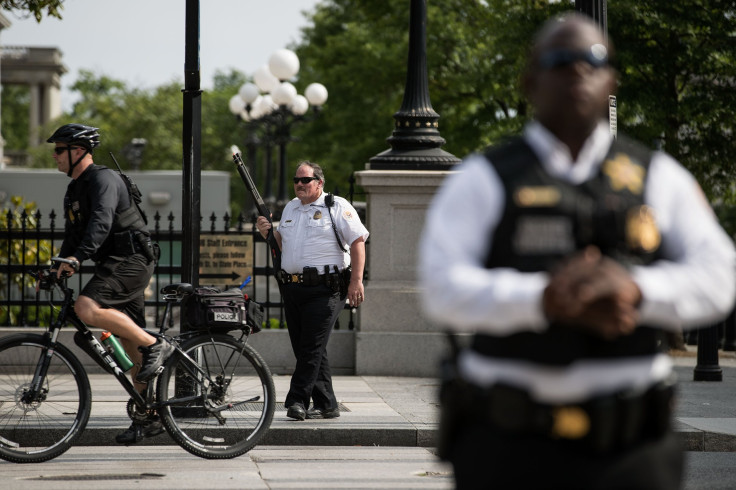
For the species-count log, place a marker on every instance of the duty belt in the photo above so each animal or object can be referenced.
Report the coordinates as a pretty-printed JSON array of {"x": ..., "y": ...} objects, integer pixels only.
[
  {"x": 600, "y": 424},
  {"x": 284, "y": 277}
]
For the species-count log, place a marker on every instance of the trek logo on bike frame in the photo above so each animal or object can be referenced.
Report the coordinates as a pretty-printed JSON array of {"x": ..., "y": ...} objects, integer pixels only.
[{"x": 107, "y": 357}]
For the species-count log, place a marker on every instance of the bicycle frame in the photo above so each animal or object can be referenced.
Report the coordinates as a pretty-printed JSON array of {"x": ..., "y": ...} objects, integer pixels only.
[
  {"x": 68, "y": 315},
  {"x": 105, "y": 359}
]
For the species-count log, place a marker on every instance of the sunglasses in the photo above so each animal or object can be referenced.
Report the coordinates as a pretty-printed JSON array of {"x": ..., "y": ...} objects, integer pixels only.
[
  {"x": 596, "y": 56},
  {"x": 61, "y": 149},
  {"x": 304, "y": 180}
]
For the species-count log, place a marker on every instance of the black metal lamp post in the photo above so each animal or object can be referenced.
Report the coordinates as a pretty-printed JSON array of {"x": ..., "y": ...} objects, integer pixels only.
[
  {"x": 597, "y": 9},
  {"x": 270, "y": 107},
  {"x": 191, "y": 148},
  {"x": 415, "y": 141}
]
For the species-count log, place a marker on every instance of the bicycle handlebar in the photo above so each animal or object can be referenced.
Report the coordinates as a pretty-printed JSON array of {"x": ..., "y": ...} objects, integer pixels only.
[{"x": 72, "y": 262}]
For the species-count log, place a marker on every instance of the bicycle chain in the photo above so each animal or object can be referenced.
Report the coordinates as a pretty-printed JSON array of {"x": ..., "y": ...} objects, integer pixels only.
[{"x": 136, "y": 415}]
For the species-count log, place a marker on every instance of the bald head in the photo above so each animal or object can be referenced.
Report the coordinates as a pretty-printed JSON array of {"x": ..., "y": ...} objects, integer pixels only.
[
  {"x": 568, "y": 78},
  {"x": 556, "y": 29}
]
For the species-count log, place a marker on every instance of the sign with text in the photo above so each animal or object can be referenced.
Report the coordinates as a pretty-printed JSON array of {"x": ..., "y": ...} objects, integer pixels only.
[
  {"x": 225, "y": 260},
  {"x": 612, "y": 116}
]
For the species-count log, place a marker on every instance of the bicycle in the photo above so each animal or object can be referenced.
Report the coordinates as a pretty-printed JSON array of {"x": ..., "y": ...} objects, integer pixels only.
[{"x": 215, "y": 394}]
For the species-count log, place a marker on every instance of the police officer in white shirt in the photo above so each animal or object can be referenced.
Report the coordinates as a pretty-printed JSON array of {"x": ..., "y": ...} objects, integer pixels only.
[
  {"x": 322, "y": 244},
  {"x": 568, "y": 255}
]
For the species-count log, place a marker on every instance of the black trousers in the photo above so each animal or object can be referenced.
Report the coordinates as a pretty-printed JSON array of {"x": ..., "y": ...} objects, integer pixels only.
[
  {"x": 484, "y": 459},
  {"x": 311, "y": 313}
]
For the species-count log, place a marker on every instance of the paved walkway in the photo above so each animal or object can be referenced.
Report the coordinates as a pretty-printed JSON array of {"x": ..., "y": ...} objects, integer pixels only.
[{"x": 401, "y": 411}]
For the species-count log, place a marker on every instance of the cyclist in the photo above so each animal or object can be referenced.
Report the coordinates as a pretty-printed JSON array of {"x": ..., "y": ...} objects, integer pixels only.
[{"x": 103, "y": 224}]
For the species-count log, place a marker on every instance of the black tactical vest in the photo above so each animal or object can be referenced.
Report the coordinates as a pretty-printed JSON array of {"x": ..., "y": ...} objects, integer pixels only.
[
  {"x": 78, "y": 209},
  {"x": 547, "y": 219}
]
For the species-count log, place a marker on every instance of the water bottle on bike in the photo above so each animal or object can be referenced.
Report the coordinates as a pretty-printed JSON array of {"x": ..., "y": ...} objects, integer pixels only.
[{"x": 115, "y": 348}]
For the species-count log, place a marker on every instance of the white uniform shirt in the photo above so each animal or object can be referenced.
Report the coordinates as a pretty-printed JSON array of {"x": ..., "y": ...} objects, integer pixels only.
[
  {"x": 693, "y": 286},
  {"x": 307, "y": 238}
]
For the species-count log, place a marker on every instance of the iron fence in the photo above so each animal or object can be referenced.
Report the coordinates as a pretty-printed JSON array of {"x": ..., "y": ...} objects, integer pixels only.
[{"x": 20, "y": 241}]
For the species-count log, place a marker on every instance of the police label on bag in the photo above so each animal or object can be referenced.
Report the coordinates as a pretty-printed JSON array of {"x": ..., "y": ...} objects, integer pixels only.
[{"x": 223, "y": 316}]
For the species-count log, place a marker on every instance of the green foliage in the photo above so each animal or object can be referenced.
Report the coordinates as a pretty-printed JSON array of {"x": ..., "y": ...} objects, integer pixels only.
[
  {"x": 359, "y": 49},
  {"x": 34, "y": 7},
  {"x": 677, "y": 63},
  {"x": 33, "y": 315},
  {"x": 16, "y": 101},
  {"x": 678, "y": 81},
  {"x": 20, "y": 216},
  {"x": 273, "y": 323}
]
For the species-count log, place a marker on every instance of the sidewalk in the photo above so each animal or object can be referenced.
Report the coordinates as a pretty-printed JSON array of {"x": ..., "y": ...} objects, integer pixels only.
[{"x": 400, "y": 411}]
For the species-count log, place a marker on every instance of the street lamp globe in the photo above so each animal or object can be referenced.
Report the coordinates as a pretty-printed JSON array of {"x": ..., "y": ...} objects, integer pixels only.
[
  {"x": 299, "y": 106},
  {"x": 236, "y": 104},
  {"x": 283, "y": 94},
  {"x": 316, "y": 94},
  {"x": 284, "y": 64},
  {"x": 265, "y": 80},
  {"x": 249, "y": 92}
]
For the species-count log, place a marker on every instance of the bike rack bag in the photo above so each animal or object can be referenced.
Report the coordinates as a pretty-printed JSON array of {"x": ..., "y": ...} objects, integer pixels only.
[{"x": 216, "y": 310}]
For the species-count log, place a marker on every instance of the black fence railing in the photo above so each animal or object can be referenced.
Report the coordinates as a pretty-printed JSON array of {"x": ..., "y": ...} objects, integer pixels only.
[{"x": 26, "y": 243}]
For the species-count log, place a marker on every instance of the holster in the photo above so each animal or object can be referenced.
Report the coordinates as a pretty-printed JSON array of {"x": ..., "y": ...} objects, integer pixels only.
[{"x": 129, "y": 242}]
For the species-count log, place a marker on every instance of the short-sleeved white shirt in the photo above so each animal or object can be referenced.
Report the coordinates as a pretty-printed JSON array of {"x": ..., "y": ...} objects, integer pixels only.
[{"x": 307, "y": 238}]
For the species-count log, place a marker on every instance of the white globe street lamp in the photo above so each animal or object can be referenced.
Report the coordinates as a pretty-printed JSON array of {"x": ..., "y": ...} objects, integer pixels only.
[
  {"x": 284, "y": 64},
  {"x": 316, "y": 94},
  {"x": 271, "y": 104}
]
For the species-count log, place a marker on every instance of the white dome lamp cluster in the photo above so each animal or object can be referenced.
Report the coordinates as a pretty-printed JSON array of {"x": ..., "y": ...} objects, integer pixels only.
[
  {"x": 270, "y": 105},
  {"x": 272, "y": 90}
]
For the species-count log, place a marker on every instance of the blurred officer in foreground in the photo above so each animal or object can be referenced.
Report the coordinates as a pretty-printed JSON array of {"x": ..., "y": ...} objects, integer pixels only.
[{"x": 569, "y": 255}]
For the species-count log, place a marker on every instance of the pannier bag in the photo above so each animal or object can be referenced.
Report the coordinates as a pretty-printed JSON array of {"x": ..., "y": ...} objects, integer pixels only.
[{"x": 210, "y": 308}]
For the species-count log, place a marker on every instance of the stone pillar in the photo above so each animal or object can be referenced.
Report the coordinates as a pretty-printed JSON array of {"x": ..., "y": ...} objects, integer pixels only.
[
  {"x": 34, "y": 113},
  {"x": 394, "y": 338}
]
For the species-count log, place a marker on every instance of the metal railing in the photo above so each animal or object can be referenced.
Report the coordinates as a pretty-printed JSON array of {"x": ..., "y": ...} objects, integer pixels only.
[{"x": 21, "y": 305}]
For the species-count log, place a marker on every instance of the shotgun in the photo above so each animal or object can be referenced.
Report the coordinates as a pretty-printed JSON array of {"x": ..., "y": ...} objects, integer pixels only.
[{"x": 273, "y": 245}]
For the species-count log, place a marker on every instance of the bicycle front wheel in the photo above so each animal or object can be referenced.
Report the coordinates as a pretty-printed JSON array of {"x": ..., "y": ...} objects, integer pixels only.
[
  {"x": 36, "y": 428},
  {"x": 218, "y": 403}
]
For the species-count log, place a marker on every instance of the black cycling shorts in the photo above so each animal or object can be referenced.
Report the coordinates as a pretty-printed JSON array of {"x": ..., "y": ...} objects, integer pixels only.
[{"x": 119, "y": 283}]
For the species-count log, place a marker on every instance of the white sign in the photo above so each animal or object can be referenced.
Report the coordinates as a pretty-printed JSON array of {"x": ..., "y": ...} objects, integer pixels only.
[
  {"x": 225, "y": 259},
  {"x": 612, "y": 123}
]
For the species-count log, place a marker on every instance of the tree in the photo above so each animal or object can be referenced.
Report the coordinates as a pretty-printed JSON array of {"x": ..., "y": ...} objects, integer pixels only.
[
  {"x": 358, "y": 49},
  {"x": 16, "y": 103},
  {"x": 34, "y": 7},
  {"x": 677, "y": 60},
  {"x": 123, "y": 113},
  {"x": 677, "y": 63},
  {"x": 678, "y": 83}
]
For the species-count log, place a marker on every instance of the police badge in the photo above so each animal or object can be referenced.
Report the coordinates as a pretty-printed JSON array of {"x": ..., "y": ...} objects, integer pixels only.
[{"x": 641, "y": 229}]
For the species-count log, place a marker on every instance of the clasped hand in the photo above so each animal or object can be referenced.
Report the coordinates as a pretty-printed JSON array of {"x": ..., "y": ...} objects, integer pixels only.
[{"x": 593, "y": 293}]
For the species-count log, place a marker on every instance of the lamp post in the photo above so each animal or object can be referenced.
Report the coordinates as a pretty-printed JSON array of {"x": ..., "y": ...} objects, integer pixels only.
[
  {"x": 416, "y": 141},
  {"x": 269, "y": 107}
]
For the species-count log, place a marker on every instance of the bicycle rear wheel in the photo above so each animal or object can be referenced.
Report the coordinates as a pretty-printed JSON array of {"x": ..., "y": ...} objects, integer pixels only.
[
  {"x": 39, "y": 429},
  {"x": 225, "y": 409}
]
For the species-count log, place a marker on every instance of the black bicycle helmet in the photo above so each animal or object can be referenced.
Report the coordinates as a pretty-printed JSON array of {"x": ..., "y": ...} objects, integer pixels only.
[
  {"x": 86, "y": 137},
  {"x": 76, "y": 134}
]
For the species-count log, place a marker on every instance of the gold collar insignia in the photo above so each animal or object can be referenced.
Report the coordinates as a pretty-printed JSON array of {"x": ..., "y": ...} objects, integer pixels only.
[{"x": 623, "y": 173}]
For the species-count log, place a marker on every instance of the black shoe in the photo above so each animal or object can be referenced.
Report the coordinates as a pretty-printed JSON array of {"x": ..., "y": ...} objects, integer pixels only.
[
  {"x": 139, "y": 431},
  {"x": 154, "y": 357},
  {"x": 318, "y": 413},
  {"x": 296, "y": 411}
]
